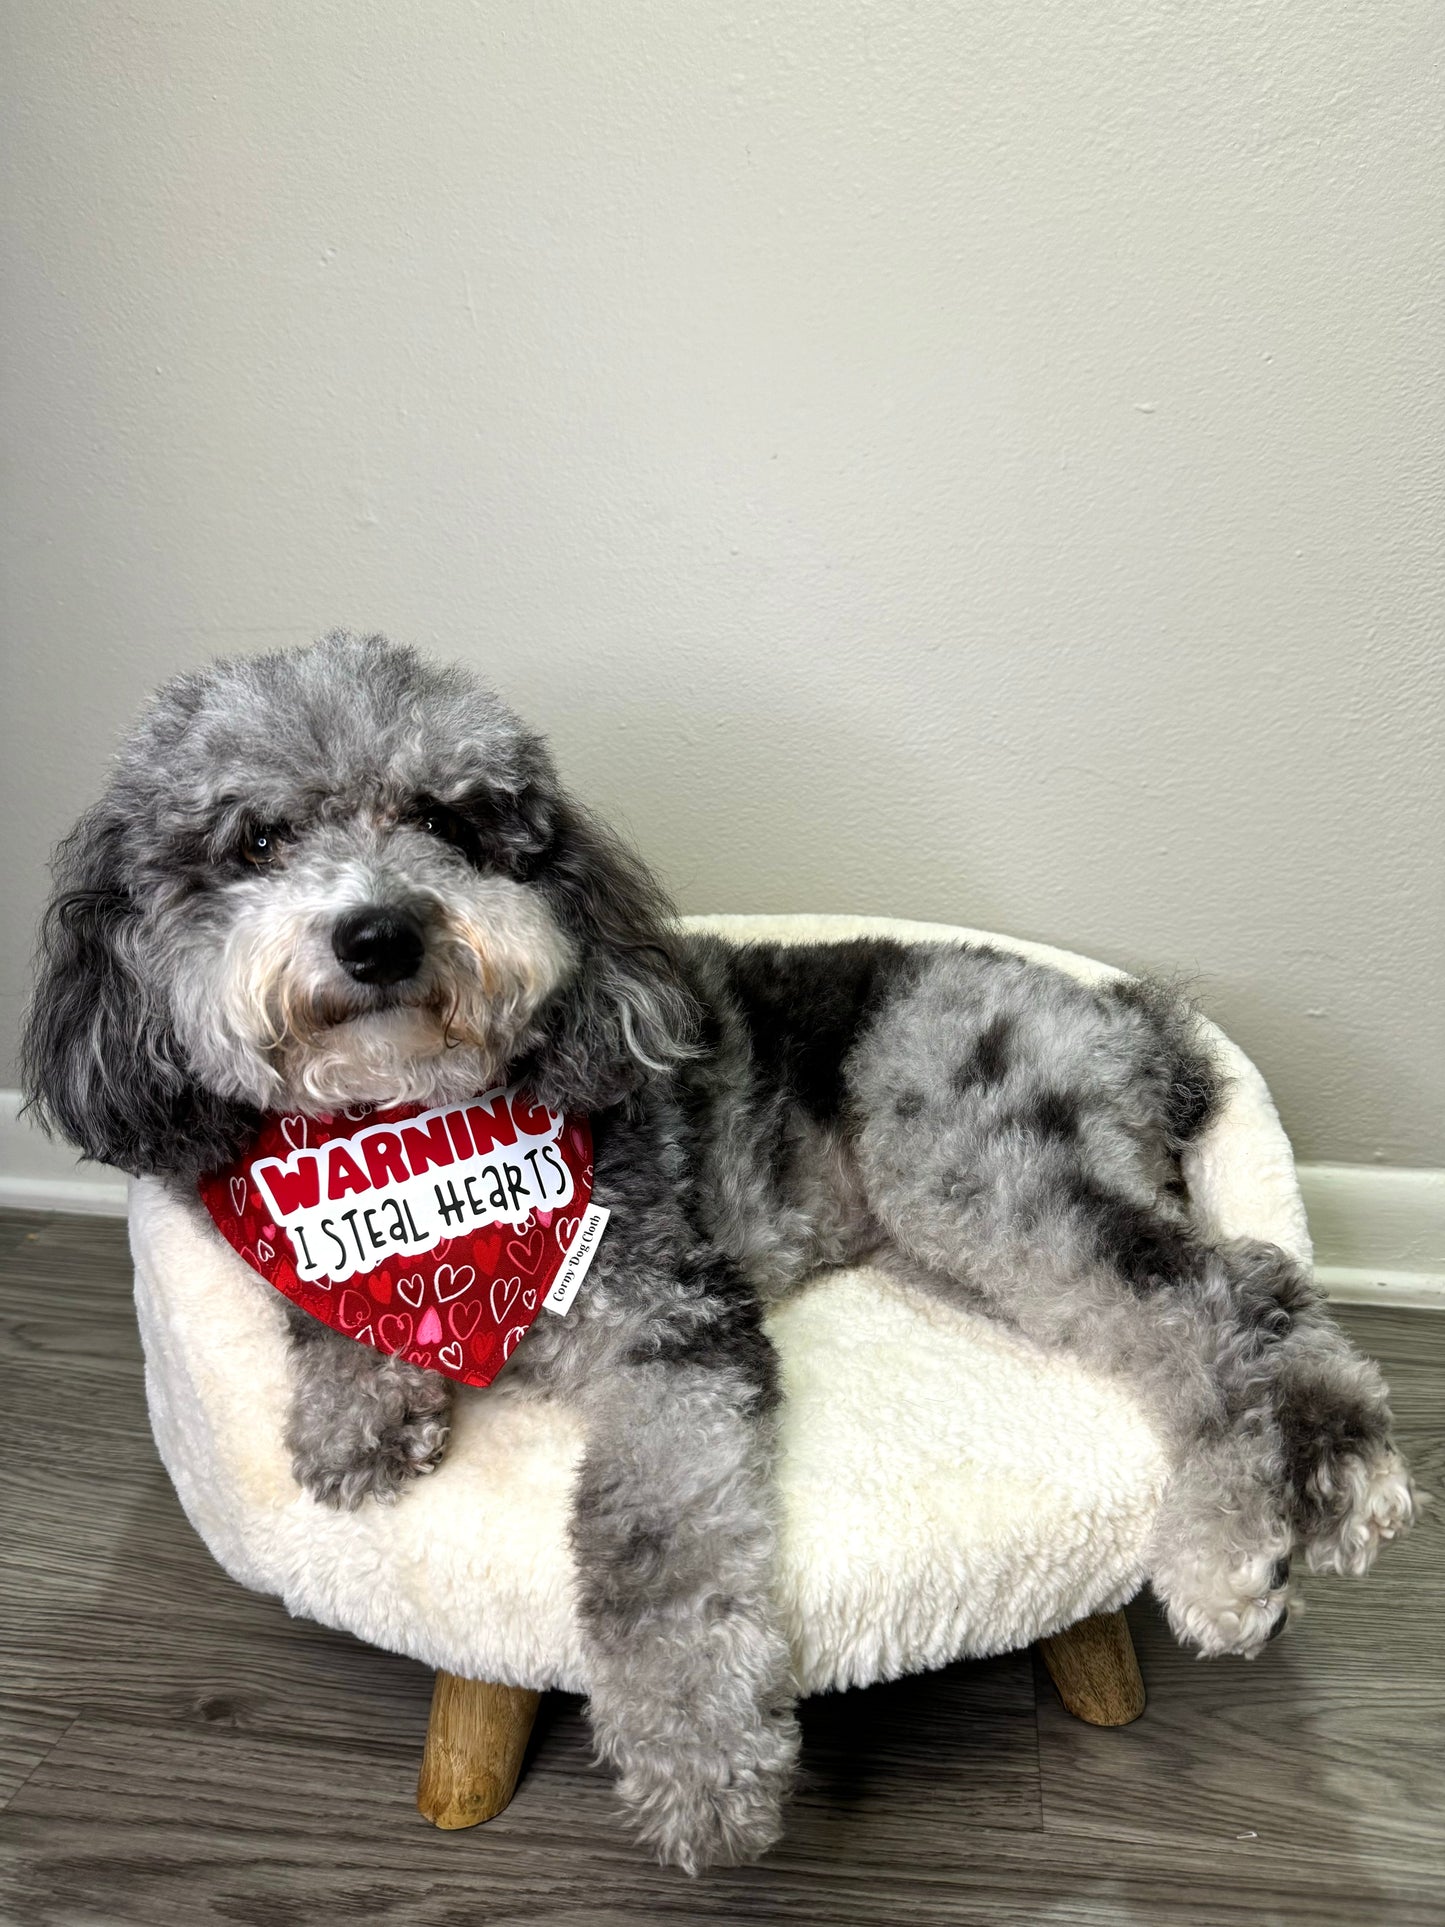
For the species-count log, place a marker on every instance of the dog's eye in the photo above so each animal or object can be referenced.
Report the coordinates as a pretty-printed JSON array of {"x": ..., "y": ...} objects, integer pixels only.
[
  {"x": 260, "y": 844},
  {"x": 437, "y": 820}
]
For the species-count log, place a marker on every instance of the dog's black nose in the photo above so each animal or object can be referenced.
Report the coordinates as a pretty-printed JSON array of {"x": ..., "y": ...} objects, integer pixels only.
[{"x": 377, "y": 946}]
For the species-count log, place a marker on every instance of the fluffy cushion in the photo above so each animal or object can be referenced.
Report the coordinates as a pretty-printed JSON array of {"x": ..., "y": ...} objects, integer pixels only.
[{"x": 945, "y": 1488}]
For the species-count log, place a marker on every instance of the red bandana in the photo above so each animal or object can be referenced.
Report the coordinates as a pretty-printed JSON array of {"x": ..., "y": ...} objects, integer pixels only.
[{"x": 438, "y": 1235}]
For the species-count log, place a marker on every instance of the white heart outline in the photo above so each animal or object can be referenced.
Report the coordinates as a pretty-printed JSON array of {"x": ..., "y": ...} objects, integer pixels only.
[
  {"x": 566, "y": 1230},
  {"x": 238, "y": 1204},
  {"x": 462, "y": 1277},
  {"x": 264, "y": 1251},
  {"x": 414, "y": 1278},
  {"x": 290, "y": 1126},
  {"x": 513, "y": 1338},
  {"x": 512, "y": 1287},
  {"x": 446, "y": 1356}
]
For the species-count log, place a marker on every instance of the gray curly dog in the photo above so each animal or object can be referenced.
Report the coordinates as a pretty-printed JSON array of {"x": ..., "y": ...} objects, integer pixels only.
[{"x": 343, "y": 876}]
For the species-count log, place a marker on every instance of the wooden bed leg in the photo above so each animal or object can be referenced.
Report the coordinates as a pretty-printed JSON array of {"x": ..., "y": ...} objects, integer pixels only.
[
  {"x": 475, "y": 1740},
  {"x": 1095, "y": 1668}
]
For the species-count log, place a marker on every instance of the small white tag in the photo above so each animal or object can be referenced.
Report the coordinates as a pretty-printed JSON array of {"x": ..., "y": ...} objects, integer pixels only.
[{"x": 580, "y": 1254}]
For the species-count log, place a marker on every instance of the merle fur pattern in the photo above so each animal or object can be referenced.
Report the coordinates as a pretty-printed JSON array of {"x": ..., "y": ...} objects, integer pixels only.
[{"x": 1004, "y": 1134}]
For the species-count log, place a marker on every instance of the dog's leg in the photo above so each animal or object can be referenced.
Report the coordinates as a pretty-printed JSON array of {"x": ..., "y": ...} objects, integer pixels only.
[
  {"x": 1219, "y": 1552},
  {"x": 1314, "y": 1471},
  {"x": 361, "y": 1424},
  {"x": 691, "y": 1690},
  {"x": 1350, "y": 1487},
  {"x": 1008, "y": 1145},
  {"x": 1220, "y": 1546}
]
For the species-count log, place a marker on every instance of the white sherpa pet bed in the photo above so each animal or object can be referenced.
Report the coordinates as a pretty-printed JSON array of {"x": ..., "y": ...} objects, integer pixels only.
[{"x": 946, "y": 1490}]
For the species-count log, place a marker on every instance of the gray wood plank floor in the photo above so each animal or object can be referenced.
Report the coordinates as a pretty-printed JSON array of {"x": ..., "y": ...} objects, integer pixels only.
[{"x": 176, "y": 1750}]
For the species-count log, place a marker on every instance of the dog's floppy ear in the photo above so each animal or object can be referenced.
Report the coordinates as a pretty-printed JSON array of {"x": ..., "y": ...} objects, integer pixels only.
[
  {"x": 626, "y": 1011},
  {"x": 100, "y": 1062}
]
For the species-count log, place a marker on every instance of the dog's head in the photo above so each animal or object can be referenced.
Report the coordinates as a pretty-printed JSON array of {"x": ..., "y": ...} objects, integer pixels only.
[{"x": 333, "y": 877}]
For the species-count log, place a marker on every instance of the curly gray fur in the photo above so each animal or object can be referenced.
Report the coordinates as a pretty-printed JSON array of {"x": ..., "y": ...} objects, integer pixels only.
[{"x": 1008, "y": 1136}]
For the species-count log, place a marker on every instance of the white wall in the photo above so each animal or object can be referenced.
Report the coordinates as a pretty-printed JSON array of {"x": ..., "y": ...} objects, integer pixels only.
[{"x": 972, "y": 461}]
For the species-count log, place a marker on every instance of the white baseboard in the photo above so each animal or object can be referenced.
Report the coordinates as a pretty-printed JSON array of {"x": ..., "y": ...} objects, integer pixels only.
[
  {"x": 1379, "y": 1232},
  {"x": 37, "y": 1175}
]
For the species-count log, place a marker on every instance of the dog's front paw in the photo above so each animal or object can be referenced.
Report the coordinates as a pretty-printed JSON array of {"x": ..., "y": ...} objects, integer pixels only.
[
  {"x": 707, "y": 1806},
  {"x": 1230, "y": 1609},
  {"x": 376, "y": 1469},
  {"x": 373, "y": 1448}
]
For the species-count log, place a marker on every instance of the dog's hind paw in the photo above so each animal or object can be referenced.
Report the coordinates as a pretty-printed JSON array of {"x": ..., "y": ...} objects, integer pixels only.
[{"x": 1363, "y": 1500}]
